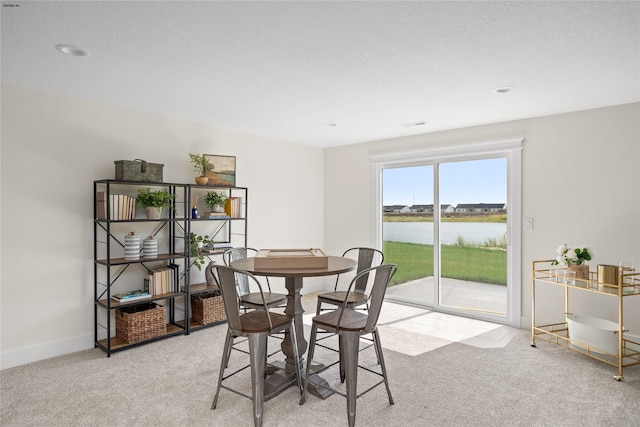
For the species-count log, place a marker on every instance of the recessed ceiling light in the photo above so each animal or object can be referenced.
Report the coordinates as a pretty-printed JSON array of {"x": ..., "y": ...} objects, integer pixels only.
[
  {"x": 71, "y": 50},
  {"x": 505, "y": 89},
  {"x": 331, "y": 124},
  {"x": 420, "y": 123}
]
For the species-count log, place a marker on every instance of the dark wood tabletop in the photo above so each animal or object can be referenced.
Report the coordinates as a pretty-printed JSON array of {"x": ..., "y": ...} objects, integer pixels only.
[{"x": 337, "y": 265}]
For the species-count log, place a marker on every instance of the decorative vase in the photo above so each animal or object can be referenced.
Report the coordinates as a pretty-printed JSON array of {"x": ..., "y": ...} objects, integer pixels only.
[
  {"x": 153, "y": 213},
  {"x": 211, "y": 280},
  {"x": 202, "y": 180},
  {"x": 132, "y": 246},
  {"x": 218, "y": 209},
  {"x": 150, "y": 247},
  {"x": 582, "y": 271}
]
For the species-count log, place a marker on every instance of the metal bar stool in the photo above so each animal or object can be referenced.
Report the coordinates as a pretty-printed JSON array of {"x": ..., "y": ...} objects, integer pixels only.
[
  {"x": 256, "y": 326},
  {"x": 350, "y": 325}
]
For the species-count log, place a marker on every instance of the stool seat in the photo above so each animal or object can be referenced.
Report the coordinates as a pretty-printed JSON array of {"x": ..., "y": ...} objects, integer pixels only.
[
  {"x": 338, "y": 297},
  {"x": 351, "y": 320},
  {"x": 258, "y": 321}
]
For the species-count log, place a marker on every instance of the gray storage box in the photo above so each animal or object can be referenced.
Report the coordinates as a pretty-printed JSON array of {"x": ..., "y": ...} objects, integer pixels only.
[{"x": 138, "y": 170}]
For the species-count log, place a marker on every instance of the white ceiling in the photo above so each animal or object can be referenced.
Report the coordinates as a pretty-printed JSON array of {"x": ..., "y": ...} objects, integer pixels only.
[{"x": 285, "y": 70}]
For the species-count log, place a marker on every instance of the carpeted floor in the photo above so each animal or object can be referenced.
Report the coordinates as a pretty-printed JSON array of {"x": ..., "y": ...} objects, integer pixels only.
[{"x": 172, "y": 382}]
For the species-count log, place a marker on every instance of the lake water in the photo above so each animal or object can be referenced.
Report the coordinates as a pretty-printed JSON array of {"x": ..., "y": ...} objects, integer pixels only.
[{"x": 422, "y": 232}]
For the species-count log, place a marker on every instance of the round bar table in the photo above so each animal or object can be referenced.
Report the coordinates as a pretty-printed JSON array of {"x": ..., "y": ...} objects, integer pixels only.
[{"x": 284, "y": 375}]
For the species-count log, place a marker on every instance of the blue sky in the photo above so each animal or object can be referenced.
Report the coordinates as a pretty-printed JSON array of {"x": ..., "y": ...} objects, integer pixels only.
[{"x": 476, "y": 181}]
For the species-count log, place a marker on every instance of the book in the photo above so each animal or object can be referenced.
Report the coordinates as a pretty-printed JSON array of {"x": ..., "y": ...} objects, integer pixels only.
[
  {"x": 148, "y": 284},
  {"x": 121, "y": 206},
  {"x": 130, "y": 296},
  {"x": 174, "y": 280},
  {"x": 217, "y": 216}
]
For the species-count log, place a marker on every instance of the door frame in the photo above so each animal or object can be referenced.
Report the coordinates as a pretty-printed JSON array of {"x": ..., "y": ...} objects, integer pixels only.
[{"x": 512, "y": 151}]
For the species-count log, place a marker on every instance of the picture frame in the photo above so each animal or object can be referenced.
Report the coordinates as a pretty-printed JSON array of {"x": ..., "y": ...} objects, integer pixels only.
[{"x": 224, "y": 171}]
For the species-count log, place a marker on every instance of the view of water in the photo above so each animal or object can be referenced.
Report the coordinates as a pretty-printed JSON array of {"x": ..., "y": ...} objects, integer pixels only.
[{"x": 422, "y": 232}]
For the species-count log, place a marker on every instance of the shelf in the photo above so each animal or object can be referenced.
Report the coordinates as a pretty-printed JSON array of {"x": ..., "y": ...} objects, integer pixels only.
[
  {"x": 198, "y": 288},
  {"x": 111, "y": 272},
  {"x": 558, "y": 333},
  {"x": 119, "y": 221},
  {"x": 194, "y": 326},
  {"x": 119, "y": 344},
  {"x": 117, "y": 304},
  {"x": 121, "y": 261},
  {"x": 630, "y": 288}
]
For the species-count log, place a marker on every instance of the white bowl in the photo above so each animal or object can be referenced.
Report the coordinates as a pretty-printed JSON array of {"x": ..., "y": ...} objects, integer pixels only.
[{"x": 594, "y": 331}]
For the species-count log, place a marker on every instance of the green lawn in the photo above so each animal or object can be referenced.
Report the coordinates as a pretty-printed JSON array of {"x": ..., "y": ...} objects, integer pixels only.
[{"x": 476, "y": 264}]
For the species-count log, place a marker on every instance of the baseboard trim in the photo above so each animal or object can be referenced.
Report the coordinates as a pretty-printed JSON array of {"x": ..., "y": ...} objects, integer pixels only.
[{"x": 22, "y": 356}]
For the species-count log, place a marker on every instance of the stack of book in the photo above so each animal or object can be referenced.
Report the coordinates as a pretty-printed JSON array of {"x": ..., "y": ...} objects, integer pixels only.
[
  {"x": 121, "y": 206},
  {"x": 216, "y": 215},
  {"x": 162, "y": 280},
  {"x": 233, "y": 207},
  {"x": 131, "y": 296}
]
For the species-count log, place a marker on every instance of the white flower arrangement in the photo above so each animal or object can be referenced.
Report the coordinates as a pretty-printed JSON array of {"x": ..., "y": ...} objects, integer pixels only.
[{"x": 568, "y": 255}]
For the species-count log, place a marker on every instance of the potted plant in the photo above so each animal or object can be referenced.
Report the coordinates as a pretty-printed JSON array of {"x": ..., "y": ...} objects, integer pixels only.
[
  {"x": 154, "y": 201},
  {"x": 197, "y": 242},
  {"x": 201, "y": 165},
  {"x": 575, "y": 259},
  {"x": 215, "y": 201}
]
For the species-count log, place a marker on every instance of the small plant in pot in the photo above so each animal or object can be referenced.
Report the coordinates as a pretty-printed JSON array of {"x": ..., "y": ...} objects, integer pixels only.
[
  {"x": 215, "y": 201},
  {"x": 154, "y": 201},
  {"x": 197, "y": 242},
  {"x": 201, "y": 165}
]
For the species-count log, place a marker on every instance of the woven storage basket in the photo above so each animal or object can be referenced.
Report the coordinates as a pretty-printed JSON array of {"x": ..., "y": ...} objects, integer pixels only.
[
  {"x": 140, "y": 322},
  {"x": 207, "y": 307}
]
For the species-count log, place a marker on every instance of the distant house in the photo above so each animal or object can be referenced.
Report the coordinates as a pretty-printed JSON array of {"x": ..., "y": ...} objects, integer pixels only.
[
  {"x": 421, "y": 208},
  {"x": 481, "y": 207},
  {"x": 429, "y": 208},
  {"x": 396, "y": 209}
]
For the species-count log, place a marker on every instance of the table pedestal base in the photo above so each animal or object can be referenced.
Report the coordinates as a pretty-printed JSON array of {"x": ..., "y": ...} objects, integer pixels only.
[{"x": 279, "y": 379}]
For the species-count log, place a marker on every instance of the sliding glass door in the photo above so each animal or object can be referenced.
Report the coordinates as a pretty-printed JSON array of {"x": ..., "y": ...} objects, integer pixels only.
[
  {"x": 408, "y": 231},
  {"x": 447, "y": 222},
  {"x": 473, "y": 236}
]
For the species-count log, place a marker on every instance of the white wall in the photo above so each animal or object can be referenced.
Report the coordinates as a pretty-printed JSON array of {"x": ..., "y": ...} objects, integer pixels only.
[
  {"x": 580, "y": 184},
  {"x": 52, "y": 150}
]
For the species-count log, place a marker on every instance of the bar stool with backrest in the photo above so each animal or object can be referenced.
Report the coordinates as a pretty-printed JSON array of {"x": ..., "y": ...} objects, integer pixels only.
[
  {"x": 252, "y": 299},
  {"x": 256, "y": 326},
  {"x": 350, "y": 325},
  {"x": 366, "y": 257}
]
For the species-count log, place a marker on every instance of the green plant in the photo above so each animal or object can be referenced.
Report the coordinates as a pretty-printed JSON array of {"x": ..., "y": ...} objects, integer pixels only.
[
  {"x": 200, "y": 163},
  {"x": 194, "y": 240},
  {"x": 156, "y": 199},
  {"x": 213, "y": 198},
  {"x": 568, "y": 255}
]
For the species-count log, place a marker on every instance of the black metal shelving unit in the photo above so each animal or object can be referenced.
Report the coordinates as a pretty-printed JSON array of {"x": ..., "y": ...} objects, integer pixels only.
[{"x": 112, "y": 272}]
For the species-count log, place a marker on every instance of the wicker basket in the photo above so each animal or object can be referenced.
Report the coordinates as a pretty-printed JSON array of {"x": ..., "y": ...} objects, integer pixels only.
[
  {"x": 140, "y": 322},
  {"x": 207, "y": 307}
]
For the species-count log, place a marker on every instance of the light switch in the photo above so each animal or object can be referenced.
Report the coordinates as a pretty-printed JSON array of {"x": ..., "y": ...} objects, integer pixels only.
[{"x": 528, "y": 223}]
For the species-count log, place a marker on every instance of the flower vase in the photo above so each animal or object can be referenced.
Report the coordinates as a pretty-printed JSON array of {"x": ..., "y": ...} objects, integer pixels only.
[{"x": 582, "y": 271}]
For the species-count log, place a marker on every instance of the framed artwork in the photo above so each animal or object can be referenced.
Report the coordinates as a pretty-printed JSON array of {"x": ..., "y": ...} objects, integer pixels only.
[{"x": 224, "y": 171}]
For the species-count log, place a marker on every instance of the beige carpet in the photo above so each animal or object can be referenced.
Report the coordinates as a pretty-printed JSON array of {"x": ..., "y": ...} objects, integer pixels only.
[{"x": 172, "y": 382}]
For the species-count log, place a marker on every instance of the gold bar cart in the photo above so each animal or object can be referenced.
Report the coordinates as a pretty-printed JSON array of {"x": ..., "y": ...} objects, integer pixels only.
[{"x": 558, "y": 333}]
